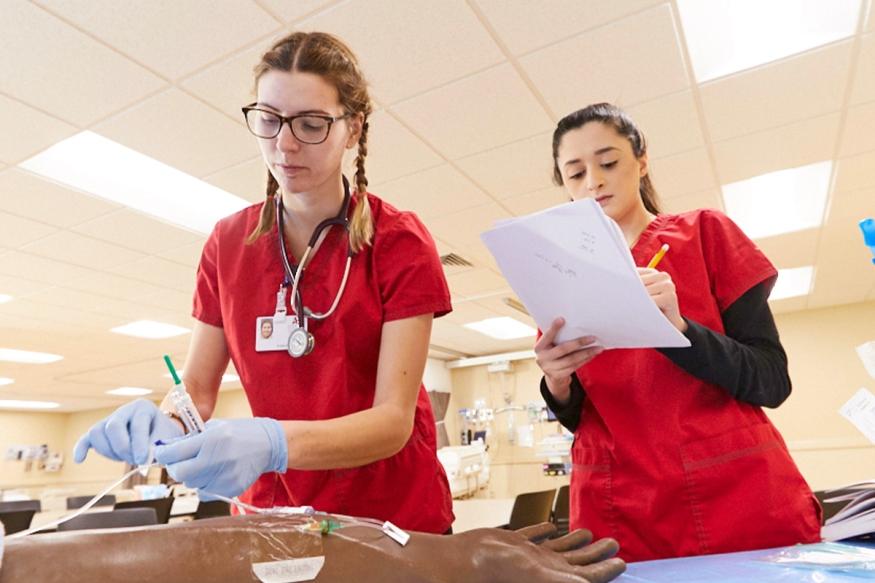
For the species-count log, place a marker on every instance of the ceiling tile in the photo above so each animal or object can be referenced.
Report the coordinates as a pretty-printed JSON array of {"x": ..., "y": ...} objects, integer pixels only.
[
  {"x": 189, "y": 254},
  {"x": 83, "y": 251},
  {"x": 796, "y": 249},
  {"x": 859, "y": 130},
  {"x": 16, "y": 231},
  {"x": 114, "y": 286},
  {"x": 797, "y": 144},
  {"x": 188, "y": 39},
  {"x": 853, "y": 205},
  {"x": 26, "y": 195},
  {"x": 62, "y": 297},
  {"x": 62, "y": 318},
  {"x": 137, "y": 231},
  {"x": 683, "y": 173},
  {"x": 844, "y": 271},
  {"x": 61, "y": 70},
  {"x": 465, "y": 311},
  {"x": 291, "y": 11},
  {"x": 864, "y": 80},
  {"x": 524, "y": 25},
  {"x": 705, "y": 199},
  {"x": 514, "y": 169},
  {"x": 539, "y": 200},
  {"x": 631, "y": 61},
  {"x": 229, "y": 84},
  {"x": 19, "y": 288},
  {"x": 178, "y": 130},
  {"x": 247, "y": 180},
  {"x": 27, "y": 131},
  {"x": 778, "y": 93},
  {"x": 855, "y": 172},
  {"x": 459, "y": 122},
  {"x": 40, "y": 269},
  {"x": 788, "y": 305},
  {"x": 170, "y": 300},
  {"x": 393, "y": 150},
  {"x": 497, "y": 305},
  {"x": 159, "y": 272},
  {"x": 438, "y": 41},
  {"x": 670, "y": 124},
  {"x": 462, "y": 230},
  {"x": 433, "y": 193},
  {"x": 475, "y": 282}
]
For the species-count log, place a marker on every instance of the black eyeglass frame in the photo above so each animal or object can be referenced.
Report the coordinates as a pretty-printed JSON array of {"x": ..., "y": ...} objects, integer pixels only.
[{"x": 288, "y": 120}]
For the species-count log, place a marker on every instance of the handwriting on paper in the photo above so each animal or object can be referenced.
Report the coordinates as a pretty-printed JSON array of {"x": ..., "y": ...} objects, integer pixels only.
[{"x": 562, "y": 270}]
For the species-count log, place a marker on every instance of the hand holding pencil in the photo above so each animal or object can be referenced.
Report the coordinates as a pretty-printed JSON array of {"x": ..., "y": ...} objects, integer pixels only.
[{"x": 661, "y": 288}]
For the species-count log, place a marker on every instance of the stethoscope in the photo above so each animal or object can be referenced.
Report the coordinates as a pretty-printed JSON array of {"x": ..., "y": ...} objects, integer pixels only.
[{"x": 301, "y": 341}]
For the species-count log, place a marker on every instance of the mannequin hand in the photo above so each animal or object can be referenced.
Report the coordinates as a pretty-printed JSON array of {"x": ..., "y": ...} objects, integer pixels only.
[
  {"x": 228, "y": 456},
  {"x": 662, "y": 290},
  {"x": 128, "y": 433}
]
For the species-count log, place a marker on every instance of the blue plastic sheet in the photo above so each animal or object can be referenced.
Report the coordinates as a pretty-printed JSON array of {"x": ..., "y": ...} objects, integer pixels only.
[{"x": 737, "y": 568}]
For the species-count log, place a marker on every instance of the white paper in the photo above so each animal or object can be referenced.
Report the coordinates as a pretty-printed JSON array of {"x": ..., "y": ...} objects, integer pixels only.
[
  {"x": 572, "y": 261},
  {"x": 866, "y": 352},
  {"x": 860, "y": 410},
  {"x": 290, "y": 571}
]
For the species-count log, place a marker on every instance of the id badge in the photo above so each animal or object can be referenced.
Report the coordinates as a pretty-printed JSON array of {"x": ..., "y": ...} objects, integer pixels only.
[{"x": 272, "y": 332}]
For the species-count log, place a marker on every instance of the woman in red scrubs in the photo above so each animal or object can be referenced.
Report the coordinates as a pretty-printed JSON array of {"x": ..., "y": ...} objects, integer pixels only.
[
  {"x": 342, "y": 421},
  {"x": 673, "y": 454}
]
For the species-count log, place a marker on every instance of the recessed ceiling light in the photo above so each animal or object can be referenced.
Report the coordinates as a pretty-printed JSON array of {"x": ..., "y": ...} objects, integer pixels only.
[
  {"x": 27, "y": 357},
  {"x": 503, "y": 328},
  {"x": 5, "y": 298},
  {"x": 13, "y": 404},
  {"x": 226, "y": 378},
  {"x": 779, "y": 202},
  {"x": 98, "y": 166},
  {"x": 6, "y": 381},
  {"x": 129, "y": 391},
  {"x": 150, "y": 329},
  {"x": 726, "y": 36},
  {"x": 793, "y": 282}
]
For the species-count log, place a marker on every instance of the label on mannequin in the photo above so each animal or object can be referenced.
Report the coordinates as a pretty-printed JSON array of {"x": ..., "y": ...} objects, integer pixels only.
[
  {"x": 860, "y": 411},
  {"x": 288, "y": 571}
]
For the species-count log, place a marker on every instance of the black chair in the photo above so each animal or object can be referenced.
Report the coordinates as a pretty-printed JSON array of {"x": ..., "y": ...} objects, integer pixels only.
[
  {"x": 531, "y": 508},
  {"x": 111, "y": 519},
  {"x": 162, "y": 507},
  {"x": 74, "y": 502},
  {"x": 212, "y": 509},
  {"x": 16, "y": 520},
  {"x": 561, "y": 510},
  {"x": 35, "y": 505}
]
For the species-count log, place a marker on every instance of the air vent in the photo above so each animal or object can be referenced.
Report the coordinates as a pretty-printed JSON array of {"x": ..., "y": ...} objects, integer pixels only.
[
  {"x": 453, "y": 260},
  {"x": 515, "y": 304}
]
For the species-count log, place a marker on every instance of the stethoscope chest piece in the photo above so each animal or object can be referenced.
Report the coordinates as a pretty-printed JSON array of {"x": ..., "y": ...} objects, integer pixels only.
[{"x": 301, "y": 342}]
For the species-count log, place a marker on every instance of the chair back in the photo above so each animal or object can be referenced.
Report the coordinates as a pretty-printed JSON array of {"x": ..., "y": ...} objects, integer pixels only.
[
  {"x": 561, "y": 510},
  {"x": 35, "y": 505},
  {"x": 212, "y": 509},
  {"x": 74, "y": 502},
  {"x": 162, "y": 507},
  {"x": 531, "y": 508},
  {"x": 111, "y": 519},
  {"x": 16, "y": 520}
]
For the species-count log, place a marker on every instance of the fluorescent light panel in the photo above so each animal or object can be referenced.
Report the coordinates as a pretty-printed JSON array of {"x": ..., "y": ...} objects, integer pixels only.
[
  {"x": 503, "y": 328},
  {"x": 5, "y": 298},
  {"x": 726, "y": 36},
  {"x": 150, "y": 329},
  {"x": 6, "y": 381},
  {"x": 14, "y": 404},
  {"x": 129, "y": 392},
  {"x": 779, "y": 202},
  {"x": 27, "y": 357},
  {"x": 100, "y": 167},
  {"x": 226, "y": 378},
  {"x": 793, "y": 282}
]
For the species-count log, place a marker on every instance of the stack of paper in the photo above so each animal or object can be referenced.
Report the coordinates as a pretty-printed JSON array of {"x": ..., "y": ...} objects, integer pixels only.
[
  {"x": 857, "y": 517},
  {"x": 572, "y": 261}
]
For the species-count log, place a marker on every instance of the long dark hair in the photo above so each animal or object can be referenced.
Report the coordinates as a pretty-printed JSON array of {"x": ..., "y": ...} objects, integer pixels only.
[{"x": 612, "y": 116}]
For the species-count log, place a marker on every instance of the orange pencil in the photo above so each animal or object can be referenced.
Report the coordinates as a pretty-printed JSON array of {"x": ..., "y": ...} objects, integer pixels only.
[{"x": 658, "y": 257}]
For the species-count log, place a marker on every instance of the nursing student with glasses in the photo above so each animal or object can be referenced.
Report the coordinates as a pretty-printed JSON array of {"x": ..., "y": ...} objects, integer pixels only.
[{"x": 673, "y": 454}]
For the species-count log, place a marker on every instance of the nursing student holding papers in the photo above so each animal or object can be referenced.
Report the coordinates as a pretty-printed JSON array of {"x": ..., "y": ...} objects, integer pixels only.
[{"x": 673, "y": 454}]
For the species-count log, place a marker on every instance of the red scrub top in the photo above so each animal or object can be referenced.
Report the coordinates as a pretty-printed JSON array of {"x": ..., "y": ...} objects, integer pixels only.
[
  {"x": 671, "y": 465},
  {"x": 397, "y": 277}
]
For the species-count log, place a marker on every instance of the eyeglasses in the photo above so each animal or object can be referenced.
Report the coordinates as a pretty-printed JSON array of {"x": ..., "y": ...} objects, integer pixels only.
[{"x": 308, "y": 128}]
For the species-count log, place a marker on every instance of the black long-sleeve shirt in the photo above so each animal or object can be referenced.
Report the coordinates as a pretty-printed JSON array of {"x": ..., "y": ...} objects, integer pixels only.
[{"x": 747, "y": 361}]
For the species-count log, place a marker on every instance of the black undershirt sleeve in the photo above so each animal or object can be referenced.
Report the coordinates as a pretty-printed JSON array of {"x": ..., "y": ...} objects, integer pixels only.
[{"x": 747, "y": 361}]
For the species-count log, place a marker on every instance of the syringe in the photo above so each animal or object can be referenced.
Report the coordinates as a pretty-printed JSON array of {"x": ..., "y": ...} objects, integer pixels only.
[{"x": 182, "y": 403}]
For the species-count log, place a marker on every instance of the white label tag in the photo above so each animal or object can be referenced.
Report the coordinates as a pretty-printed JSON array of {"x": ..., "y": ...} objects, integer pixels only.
[
  {"x": 288, "y": 571},
  {"x": 860, "y": 411}
]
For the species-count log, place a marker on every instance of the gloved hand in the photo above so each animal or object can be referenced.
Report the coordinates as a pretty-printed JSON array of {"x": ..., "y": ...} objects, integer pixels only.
[
  {"x": 127, "y": 434},
  {"x": 228, "y": 456}
]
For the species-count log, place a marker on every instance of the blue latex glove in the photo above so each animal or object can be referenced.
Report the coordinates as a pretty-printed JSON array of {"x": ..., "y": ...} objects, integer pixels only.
[
  {"x": 128, "y": 433},
  {"x": 228, "y": 456}
]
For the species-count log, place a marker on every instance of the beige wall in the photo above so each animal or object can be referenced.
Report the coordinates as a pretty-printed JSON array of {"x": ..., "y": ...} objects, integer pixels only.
[{"x": 824, "y": 368}]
